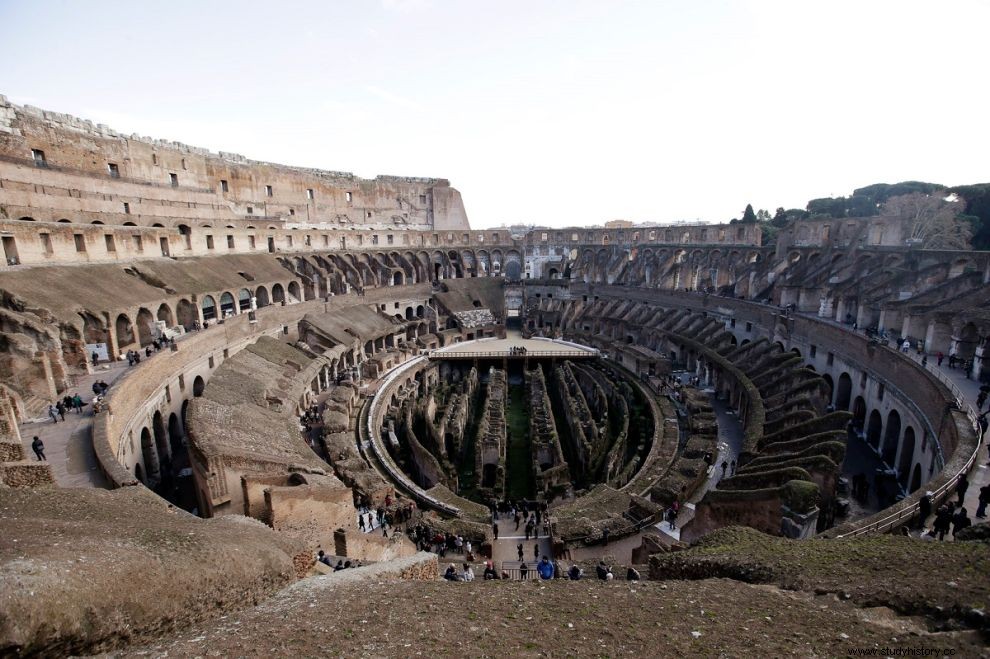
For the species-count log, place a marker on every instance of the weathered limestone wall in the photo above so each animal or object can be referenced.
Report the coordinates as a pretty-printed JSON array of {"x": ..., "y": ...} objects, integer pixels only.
[{"x": 91, "y": 172}]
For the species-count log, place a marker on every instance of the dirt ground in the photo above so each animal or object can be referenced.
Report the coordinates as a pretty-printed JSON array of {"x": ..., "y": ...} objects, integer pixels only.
[{"x": 588, "y": 618}]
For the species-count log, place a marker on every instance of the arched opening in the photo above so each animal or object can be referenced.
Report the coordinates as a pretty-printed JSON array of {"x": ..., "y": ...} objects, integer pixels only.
[
  {"x": 165, "y": 314},
  {"x": 409, "y": 313},
  {"x": 420, "y": 311},
  {"x": 161, "y": 438},
  {"x": 175, "y": 434},
  {"x": 873, "y": 429},
  {"x": 915, "y": 478},
  {"x": 397, "y": 278},
  {"x": 186, "y": 312},
  {"x": 261, "y": 296},
  {"x": 907, "y": 458},
  {"x": 244, "y": 299},
  {"x": 278, "y": 294},
  {"x": 150, "y": 457},
  {"x": 891, "y": 437},
  {"x": 843, "y": 395},
  {"x": 125, "y": 334},
  {"x": 209, "y": 308},
  {"x": 138, "y": 472},
  {"x": 830, "y": 387},
  {"x": 294, "y": 294},
  {"x": 859, "y": 413},
  {"x": 145, "y": 327},
  {"x": 227, "y": 307},
  {"x": 65, "y": 221},
  {"x": 198, "y": 385}
]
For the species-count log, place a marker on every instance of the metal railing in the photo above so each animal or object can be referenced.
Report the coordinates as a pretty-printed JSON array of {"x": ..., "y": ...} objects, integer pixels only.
[{"x": 569, "y": 354}]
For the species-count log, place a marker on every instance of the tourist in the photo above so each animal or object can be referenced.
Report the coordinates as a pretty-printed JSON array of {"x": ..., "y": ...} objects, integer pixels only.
[
  {"x": 519, "y": 550},
  {"x": 489, "y": 574},
  {"x": 574, "y": 574},
  {"x": 467, "y": 574},
  {"x": 632, "y": 574},
  {"x": 604, "y": 572},
  {"x": 905, "y": 346},
  {"x": 95, "y": 357},
  {"x": 981, "y": 510},
  {"x": 545, "y": 568},
  {"x": 467, "y": 547},
  {"x": 725, "y": 467},
  {"x": 516, "y": 518},
  {"x": 960, "y": 521},
  {"x": 451, "y": 573},
  {"x": 671, "y": 518},
  {"x": 323, "y": 558},
  {"x": 361, "y": 522},
  {"x": 961, "y": 486},
  {"x": 980, "y": 399},
  {"x": 940, "y": 356},
  {"x": 495, "y": 530},
  {"x": 38, "y": 447},
  {"x": 942, "y": 520},
  {"x": 60, "y": 407},
  {"x": 732, "y": 468},
  {"x": 339, "y": 566},
  {"x": 528, "y": 529},
  {"x": 925, "y": 508},
  {"x": 77, "y": 403},
  {"x": 605, "y": 534},
  {"x": 536, "y": 551},
  {"x": 53, "y": 413},
  {"x": 459, "y": 544},
  {"x": 524, "y": 571}
]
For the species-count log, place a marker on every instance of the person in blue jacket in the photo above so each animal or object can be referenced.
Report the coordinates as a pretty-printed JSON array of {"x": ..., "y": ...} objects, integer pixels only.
[{"x": 545, "y": 568}]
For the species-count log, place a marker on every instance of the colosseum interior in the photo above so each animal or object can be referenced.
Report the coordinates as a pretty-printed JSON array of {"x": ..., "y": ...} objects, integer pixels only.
[{"x": 275, "y": 361}]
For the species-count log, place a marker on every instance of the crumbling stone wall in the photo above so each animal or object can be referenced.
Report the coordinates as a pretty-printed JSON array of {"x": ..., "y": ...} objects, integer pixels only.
[{"x": 491, "y": 441}]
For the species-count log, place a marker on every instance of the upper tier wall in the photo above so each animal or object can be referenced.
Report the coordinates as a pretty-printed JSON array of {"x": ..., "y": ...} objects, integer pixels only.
[{"x": 81, "y": 171}]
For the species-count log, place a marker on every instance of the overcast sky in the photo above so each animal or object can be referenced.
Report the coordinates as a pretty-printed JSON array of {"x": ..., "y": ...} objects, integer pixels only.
[{"x": 556, "y": 113}]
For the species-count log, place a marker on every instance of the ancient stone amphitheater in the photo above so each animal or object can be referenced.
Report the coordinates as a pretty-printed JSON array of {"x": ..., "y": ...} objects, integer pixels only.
[{"x": 291, "y": 355}]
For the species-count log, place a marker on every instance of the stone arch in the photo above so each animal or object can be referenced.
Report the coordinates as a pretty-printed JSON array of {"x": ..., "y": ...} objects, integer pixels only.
[
  {"x": 198, "y": 385},
  {"x": 294, "y": 290},
  {"x": 397, "y": 278},
  {"x": 420, "y": 311},
  {"x": 209, "y": 307},
  {"x": 907, "y": 458},
  {"x": 261, "y": 296},
  {"x": 891, "y": 437},
  {"x": 874, "y": 427},
  {"x": 150, "y": 457},
  {"x": 227, "y": 306},
  {"x": 843, "y": 395},
  {"x": 186, "y": 314},
  {"x": 164, "y": 313},
  {"x": 161, "y": 438},
  {"x": 65, "y": 221},
  {"x": 859, "y": 413},
  {"x": 94, "y": 330},
  {"x": 969, "y": 338},
  {"x": 244, "y": 299},
  {"x": 145, "y": 327},
  {"x": 915, "y": 478},
  {"x": 175, "y": 433},
  {"x": 278, "y": 294},
  {"x": 831, "y": 387},
  {"x": 124, "y": 330}
]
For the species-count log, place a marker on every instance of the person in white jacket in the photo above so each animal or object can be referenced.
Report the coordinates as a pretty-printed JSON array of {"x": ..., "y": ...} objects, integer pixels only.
[{"x": 467, "y": 574}]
